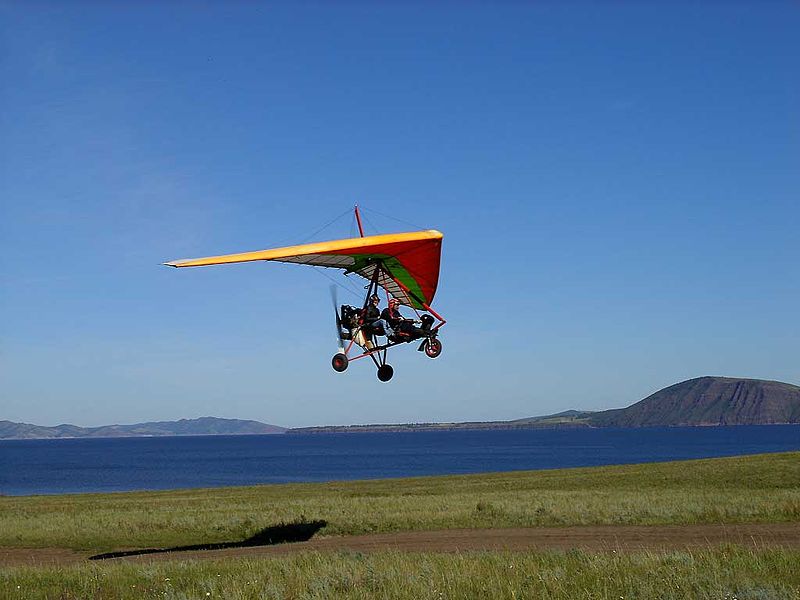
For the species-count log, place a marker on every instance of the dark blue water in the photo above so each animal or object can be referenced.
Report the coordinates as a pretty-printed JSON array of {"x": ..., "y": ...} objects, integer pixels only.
[{"x": 106, "y": 465}]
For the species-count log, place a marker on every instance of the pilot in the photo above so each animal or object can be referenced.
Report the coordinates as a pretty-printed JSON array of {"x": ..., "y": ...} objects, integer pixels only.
[
  {"x": 397, "y": 323},
  {"x": 391, "y": 314}
]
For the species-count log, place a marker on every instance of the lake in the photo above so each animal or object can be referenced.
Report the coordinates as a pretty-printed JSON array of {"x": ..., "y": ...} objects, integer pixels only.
[{"x": 125, "y": 464}]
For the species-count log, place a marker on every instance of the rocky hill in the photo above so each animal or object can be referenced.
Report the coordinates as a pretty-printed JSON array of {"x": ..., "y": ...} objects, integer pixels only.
[
  {"x": 201, "y": 426},
  {"x": 709, "y": 401}
]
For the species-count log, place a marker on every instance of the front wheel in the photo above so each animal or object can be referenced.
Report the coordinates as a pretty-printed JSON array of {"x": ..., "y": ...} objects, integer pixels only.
[
  {"x": 433, "y": 348},
  {"x": 385, "y": 372},
  {"x": 339, "y": 362}
]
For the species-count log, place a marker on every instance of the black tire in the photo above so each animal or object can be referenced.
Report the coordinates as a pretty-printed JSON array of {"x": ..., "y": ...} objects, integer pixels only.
[
  {"x": 433, "y": 348},
  {"x": 339, "y": 362},
  {"x": 385, "y": 372}
]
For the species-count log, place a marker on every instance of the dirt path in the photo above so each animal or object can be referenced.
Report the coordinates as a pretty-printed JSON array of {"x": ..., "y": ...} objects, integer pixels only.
[
  {"x": 21, "y": 557},
  {"x": 601, "y": 538}
]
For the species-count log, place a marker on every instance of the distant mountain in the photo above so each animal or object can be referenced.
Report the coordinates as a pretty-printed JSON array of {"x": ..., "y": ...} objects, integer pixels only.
[
  {"x": 562, "y": 419},
  {"x": 709, "y": 401},
  {"x": 701, "y": 401},
  {"x": 396, "y": 427},
  {"x": 568, "y": 418},
  {"x": 201, "y": 426}
]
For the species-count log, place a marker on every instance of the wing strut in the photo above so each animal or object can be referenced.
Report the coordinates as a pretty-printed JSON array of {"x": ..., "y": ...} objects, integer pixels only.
[{"x": 358, "y": 220}]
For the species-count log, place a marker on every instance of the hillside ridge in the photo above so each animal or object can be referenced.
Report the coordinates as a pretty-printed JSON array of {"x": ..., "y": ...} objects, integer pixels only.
[{"x": 707, "y": 400}]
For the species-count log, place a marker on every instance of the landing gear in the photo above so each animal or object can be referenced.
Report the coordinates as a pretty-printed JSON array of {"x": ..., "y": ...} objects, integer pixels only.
[
  {"x": 385, "y": 372},
  {"x": 339, "y": 362},
  {"x": 432, "y": 347}
]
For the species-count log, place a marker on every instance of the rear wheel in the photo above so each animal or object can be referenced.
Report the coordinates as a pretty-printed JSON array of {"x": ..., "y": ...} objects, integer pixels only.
[
  {"x": 339, "y": 362},
  {"x": 385, "y": 372},
  {"x": 433, "y": 348}
]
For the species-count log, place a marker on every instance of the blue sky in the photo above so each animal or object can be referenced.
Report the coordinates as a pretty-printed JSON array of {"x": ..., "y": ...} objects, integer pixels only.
[{"x": 617, "y": 184}]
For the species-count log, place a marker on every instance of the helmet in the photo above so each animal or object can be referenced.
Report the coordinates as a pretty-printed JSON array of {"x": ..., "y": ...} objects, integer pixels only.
[
  {"x": 374, "y": 297},
  {"x": 393, "y": 301}
]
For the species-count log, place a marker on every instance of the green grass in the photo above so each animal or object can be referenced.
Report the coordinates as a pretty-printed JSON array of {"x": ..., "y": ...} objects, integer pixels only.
[
  {"x": 763, "y": 488},
  {"x": 724, "y": 573}
]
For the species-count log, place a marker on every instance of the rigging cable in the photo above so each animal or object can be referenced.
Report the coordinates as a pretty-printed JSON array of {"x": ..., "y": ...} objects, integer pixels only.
[
  {"x": 324, "y": 227},
  {"x": 414, "y": 225},
  {"x": 371, "y": 224},
  {"x": 350, "y": 288}
]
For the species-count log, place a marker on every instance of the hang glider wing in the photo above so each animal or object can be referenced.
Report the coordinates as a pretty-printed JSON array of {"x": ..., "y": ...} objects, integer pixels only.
[{"x": 411, "y": 260}]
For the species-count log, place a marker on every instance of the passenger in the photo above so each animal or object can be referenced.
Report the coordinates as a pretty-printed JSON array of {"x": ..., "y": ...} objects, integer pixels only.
[
  {"x": 371, "y": 313},
  {"x": 371, "y": 320}
]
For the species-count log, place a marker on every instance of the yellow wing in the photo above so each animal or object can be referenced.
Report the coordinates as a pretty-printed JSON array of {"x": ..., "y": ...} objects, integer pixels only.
[{"x": 411, "y": 260}]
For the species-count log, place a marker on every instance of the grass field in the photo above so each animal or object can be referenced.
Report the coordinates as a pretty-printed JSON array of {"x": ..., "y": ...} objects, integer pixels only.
[
  {"x": 763, "y": 488},
  {"x": 723, "y": 574}
]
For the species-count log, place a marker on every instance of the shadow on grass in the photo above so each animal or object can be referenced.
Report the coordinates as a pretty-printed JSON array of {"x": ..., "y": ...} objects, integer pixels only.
[{"x": 298, "y": 531}]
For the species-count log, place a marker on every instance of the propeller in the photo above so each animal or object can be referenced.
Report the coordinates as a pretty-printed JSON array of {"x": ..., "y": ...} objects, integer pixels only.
[{"x": 335, "y": 301}]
